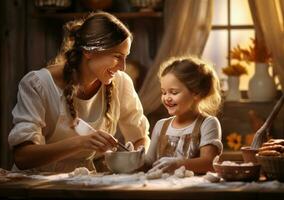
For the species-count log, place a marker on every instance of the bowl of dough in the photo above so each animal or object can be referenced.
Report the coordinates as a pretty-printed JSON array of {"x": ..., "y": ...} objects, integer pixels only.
[
  {"x": 236, "y": 170},
  {"x": 271, "y": 159},
  {"x": 124, "y": 161}
]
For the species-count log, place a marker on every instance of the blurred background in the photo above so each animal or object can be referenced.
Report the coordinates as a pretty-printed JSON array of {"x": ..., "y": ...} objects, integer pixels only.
[{"x": 233, "y": 35}]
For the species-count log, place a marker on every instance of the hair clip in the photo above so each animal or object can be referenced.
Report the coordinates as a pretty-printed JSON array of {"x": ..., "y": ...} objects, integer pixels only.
[{"x": 91, "y": 48}]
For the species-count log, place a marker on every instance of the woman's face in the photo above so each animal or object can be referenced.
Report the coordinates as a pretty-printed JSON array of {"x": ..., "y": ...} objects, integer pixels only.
[
  {"x": 176, "y": 98},
  {"x": 103, "y": 65}
]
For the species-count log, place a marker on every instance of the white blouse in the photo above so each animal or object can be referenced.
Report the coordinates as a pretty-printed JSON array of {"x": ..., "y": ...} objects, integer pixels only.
[
  {"x": 210, "y": 131},
  {"x": 38, "y": 107}
]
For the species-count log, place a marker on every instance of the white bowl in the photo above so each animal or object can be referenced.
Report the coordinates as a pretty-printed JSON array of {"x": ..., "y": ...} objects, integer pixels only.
[{"x": 124, "y": 161}]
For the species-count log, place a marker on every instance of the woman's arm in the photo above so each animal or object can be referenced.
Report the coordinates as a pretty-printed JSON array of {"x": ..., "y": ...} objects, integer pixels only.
[
  {"x": 142, "y": 142},
  {"x": 28, "y": 155},
  {"x": 132, "y": 122}
]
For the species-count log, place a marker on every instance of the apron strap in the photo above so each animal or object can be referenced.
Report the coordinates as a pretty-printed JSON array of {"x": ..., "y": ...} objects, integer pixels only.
[
  {"x": 163, "y": 138},
  {"x": 195, "y": 136}
]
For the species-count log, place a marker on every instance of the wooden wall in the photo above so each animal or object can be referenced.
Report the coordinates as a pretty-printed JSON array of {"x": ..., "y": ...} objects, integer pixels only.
[
  {"x": 29, "y": 42},
  {"x": 26, "y": 44}
]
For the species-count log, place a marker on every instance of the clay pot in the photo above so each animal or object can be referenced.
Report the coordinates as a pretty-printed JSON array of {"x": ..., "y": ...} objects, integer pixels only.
[{"x": 249, "y": 154}]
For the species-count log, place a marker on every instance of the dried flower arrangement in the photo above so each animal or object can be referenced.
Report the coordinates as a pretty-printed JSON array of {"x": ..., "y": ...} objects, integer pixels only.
[
  {"x": 253, "y": 53},
  {"x": 236, "y": 69},
  {"x": 241, "y": 57}
]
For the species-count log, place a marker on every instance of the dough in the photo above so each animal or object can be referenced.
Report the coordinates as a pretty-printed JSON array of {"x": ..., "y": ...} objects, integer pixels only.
[
  {"x": 80, "y": 171},
  {"x": 180, "y": 172},
  {"x": 155, "y": 174},
  {"x": 188, "y": 173},
  {"x": 165, "y": 175}
]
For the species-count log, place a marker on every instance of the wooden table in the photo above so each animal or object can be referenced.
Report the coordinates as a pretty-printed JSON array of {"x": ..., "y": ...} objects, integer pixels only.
[{"x": 45, "y": 189}]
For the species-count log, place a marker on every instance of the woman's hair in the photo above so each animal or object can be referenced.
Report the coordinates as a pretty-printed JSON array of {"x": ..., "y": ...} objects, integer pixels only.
[
  {"x": 199, "y": 77},
  {"x": 97, "y": 32}
]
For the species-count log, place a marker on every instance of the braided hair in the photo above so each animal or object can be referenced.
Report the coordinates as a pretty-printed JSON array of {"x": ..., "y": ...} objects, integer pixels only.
[{"x": 97, "y": 32}]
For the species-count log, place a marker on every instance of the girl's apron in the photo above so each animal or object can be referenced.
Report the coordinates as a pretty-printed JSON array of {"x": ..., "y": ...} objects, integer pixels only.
[{"x": 186, "y": 146}]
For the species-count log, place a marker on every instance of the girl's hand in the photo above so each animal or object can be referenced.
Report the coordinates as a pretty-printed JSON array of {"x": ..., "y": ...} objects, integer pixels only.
[
  {"x": 98, "y": 140},
  {"x": 167, "y": 164}
]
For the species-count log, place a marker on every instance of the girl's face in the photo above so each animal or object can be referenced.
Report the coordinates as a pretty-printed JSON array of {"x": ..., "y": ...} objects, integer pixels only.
[
  {"x": 177, "y": 99},
  {"x": 103, "y": 65}
]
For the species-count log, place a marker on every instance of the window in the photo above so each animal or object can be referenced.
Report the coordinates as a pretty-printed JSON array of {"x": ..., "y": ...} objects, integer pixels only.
[{"x": 231, "y": 25}]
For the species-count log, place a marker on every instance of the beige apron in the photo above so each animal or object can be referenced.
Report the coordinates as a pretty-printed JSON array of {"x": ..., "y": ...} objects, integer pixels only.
[
  {"x": 190, "y": 148},
  {"x": 62, "y": 131}
]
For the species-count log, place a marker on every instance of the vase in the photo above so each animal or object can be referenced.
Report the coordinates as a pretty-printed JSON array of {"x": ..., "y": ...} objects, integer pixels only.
[
  {"x": 233, "y": 94},
  {"x": 261, "y": 86}
]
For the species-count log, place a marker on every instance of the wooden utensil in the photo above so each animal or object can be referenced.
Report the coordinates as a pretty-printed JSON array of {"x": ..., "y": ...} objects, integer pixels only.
[
  {"x": 261, "y": 135},
  {"x": 122, "y": 146},
  {"x": 83, "y": 128}
]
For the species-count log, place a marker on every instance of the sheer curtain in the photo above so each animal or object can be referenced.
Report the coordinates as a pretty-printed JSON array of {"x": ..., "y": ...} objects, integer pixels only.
[
  {"x": 268, "y": 18},
  {"x": 187, "y": 25}
]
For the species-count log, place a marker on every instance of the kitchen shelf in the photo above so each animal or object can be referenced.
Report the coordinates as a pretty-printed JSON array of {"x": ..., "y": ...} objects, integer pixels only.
[{"x": 74, "y": 15}]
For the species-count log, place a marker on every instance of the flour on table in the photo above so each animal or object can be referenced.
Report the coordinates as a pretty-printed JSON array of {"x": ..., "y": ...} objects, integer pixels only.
[
  {"x": 179, "y": 173},
  {"x": 182, "y": 172},
  {"x": 80, "y": 171},
  {"x": 154, "y": 174}
]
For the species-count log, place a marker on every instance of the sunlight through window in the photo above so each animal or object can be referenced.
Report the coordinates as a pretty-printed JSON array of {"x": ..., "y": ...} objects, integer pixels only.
[{"x": 231, "y": 25}]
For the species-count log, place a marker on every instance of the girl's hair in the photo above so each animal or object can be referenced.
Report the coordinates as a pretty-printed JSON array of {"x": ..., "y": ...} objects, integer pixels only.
[
  {"x": 199, "y": 77},
  {"x": 97, "y": 32}
]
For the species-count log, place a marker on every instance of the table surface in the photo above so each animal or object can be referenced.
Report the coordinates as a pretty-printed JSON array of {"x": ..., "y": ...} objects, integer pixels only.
[{"x": 133, "y": 187}]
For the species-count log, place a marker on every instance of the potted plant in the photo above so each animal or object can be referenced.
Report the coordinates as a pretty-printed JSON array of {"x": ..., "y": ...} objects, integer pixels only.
[
  {"x": 234, "y": 71},
  {"x": 261, "y": 85}
]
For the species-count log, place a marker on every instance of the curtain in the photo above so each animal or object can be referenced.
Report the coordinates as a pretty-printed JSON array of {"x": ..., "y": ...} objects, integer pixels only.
[
  {"x": 268, "y": 20},
  {"x": 187, "y": 24}
]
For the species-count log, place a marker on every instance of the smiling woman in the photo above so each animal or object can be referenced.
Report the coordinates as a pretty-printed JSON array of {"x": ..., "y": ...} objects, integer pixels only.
[{"x": 85, "y": 82}]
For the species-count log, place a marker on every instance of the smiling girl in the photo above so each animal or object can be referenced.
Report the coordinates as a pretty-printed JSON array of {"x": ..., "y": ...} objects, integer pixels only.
[{"x": 191, "y": 137}]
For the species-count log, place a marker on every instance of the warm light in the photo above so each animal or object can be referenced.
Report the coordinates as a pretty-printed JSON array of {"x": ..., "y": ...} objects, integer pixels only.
[
  {"x": 216, "y": 49},
  {"x": 279, "y": 14},
  {"x": 240, "y": 13}
]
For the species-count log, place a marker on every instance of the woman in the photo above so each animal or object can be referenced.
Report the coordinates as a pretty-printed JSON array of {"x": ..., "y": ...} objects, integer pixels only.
[{"x": 86, "y": 82}]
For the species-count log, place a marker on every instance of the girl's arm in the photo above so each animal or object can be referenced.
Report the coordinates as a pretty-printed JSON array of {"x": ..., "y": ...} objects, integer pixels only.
[
  {"x": 198, "y": 165},
  {"x": 203, "y": 163}
]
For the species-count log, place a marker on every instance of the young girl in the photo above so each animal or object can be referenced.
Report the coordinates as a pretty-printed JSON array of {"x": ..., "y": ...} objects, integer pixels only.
[{"x": 192, "y": 135}]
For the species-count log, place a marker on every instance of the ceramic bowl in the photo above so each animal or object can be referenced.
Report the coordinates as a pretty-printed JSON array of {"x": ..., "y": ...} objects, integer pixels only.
[
  {"x": 124, "y": 161},
  {"x": 238, "y": 172}
]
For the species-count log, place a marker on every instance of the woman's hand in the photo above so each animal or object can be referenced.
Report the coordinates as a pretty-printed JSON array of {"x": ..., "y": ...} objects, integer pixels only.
[
  {"x": 167, "y": 164},
  {"x": 99, "y": 141}
]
